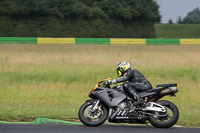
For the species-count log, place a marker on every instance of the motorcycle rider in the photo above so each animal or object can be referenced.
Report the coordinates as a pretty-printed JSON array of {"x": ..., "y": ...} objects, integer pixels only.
[{"x": 136, "y": 81}]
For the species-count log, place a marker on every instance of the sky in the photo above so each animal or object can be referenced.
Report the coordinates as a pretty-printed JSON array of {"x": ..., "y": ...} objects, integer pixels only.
[{"x": 172, "y": 9}]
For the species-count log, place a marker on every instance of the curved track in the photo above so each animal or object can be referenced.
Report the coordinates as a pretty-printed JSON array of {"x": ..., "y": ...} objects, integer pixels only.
[{"x": 47, "y": 128}]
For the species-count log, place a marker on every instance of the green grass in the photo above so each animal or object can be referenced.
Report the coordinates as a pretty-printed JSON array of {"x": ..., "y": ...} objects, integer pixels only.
[
  {"x": 177, "y": 30},
  {"x": 54, "y": 80}
]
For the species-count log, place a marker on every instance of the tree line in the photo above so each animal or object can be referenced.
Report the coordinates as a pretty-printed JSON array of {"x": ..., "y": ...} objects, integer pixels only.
[
  {"x": 79, "y": 18},
  {"x": 193, "y": 17}
]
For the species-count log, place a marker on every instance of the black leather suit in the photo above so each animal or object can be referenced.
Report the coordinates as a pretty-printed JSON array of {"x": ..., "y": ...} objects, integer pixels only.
[{"x": 136, "y": 83}]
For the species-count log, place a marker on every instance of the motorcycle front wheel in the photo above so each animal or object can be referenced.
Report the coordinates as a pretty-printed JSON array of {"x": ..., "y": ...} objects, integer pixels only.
[
  {"x": 169, "y": 118},
  {"x": 91, "y": 117}
]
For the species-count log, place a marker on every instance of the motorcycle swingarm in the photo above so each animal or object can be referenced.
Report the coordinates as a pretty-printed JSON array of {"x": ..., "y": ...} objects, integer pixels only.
[{"x": 154, "y": 107}]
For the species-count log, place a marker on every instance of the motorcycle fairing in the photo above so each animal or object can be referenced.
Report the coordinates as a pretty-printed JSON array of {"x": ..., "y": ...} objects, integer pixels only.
[{"x": 109, "y": 97}]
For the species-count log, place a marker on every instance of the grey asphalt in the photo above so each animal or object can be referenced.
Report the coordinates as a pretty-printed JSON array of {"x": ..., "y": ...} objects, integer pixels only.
[{"x": 24, "y": 128}]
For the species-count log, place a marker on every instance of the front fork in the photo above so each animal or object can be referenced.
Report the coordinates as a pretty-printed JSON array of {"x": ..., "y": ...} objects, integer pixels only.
[{"x": 96, "y": 106}]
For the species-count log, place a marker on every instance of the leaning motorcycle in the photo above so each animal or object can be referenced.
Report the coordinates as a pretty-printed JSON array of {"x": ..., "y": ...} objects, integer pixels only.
[{"x": 116, "y": 106}]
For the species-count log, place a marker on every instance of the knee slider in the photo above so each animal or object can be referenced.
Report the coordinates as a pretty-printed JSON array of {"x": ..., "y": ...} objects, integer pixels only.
[{"x": 126, "y": 86}]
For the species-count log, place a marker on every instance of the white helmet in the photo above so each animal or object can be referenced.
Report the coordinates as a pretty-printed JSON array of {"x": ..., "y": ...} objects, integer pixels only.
[{"x": 123, "y": 67}]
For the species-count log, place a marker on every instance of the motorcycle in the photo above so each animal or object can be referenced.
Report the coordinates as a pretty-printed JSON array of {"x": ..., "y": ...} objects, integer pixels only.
[{"x": 116, "y": 106}]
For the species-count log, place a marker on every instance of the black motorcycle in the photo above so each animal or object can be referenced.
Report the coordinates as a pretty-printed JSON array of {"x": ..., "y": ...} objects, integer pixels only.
[{"x": 116, "y": 106}]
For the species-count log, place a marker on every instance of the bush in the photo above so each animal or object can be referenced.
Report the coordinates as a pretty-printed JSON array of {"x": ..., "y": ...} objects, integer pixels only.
[{"x": 74, "y": 18}]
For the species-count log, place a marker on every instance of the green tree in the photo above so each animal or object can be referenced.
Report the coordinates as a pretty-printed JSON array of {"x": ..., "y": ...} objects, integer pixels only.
[
  {"x": 75, "y": 18},
  {"x": 179, "y": 20},
  {"x": 170, "y": 21},
  {"x": 192, "y": 17}
]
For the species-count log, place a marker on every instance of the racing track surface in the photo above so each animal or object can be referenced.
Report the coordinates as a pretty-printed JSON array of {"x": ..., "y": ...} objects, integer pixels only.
[{"x": 14, "y": 128}]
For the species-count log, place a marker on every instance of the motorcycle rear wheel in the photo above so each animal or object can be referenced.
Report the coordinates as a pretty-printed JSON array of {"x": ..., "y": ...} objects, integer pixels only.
[
  {"x": 92, "y": 118},
  {"x": 167, "y": 121}
]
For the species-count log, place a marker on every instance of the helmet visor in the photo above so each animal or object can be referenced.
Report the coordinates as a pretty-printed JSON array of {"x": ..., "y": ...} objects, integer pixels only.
[
  {"x": 119, "y": 74},
  {"x": 120, "y": 71}
]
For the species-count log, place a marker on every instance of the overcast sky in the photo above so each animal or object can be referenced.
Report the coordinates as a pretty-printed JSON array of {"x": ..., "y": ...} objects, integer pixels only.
[{"x": 174, "y": 8}]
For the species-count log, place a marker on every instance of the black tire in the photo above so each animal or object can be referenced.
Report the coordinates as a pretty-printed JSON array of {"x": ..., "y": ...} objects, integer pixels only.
[
  {"x": 167, "y": 121},
  {"x": 103, "y": 114}
]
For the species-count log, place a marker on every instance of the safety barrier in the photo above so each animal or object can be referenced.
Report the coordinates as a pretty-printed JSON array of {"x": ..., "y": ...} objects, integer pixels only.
[
  {"x": 189, "y": 41},
  {"x": 92, "y": 41},
  {"x": 162, "y": 41},
  {"x": 121, "y": 41},
  {"x": 106, "y": 41},
  {"x": 55, "y": 40},
  {"x": 30, "y": 40}
]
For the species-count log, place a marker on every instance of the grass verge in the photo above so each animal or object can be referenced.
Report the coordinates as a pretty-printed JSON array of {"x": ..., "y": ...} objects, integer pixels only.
[{"x": 52, "y": 81}]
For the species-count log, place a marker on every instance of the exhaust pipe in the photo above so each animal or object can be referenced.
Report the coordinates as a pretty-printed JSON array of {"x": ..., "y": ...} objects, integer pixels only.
[{"x": 169, "y": 91}]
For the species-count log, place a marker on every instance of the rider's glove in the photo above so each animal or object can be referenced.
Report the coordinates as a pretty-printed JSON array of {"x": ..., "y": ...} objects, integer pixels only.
[{"x": 109, "y": 82}]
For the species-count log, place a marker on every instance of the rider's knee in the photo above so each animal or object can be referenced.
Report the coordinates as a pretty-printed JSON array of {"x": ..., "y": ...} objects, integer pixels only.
[{"x": 126, "y": 85}]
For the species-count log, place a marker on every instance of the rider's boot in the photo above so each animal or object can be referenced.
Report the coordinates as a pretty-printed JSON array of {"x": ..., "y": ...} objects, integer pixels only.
[{"x": 139, "y": 101}]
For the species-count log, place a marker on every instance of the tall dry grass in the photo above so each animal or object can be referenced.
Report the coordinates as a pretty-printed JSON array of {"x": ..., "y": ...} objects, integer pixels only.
[{"x": 54, "y": 80}]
